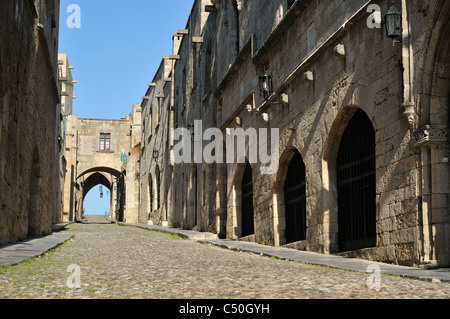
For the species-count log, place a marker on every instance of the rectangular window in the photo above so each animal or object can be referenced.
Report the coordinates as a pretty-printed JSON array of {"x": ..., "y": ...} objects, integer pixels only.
[{"x": 105, "y": 142}]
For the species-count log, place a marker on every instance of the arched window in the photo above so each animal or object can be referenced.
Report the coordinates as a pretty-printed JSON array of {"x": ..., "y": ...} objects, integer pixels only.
[
  {"x": 295, "y": 200},
  {"x": 248, "y": 226},
  {"x": 357, "y": 185}
]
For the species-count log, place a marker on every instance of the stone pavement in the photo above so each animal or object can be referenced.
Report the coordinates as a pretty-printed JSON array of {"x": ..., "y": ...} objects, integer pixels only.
[
  {"x": 338, "y": 262},
  {"x": 117, "y": 262},
  {"x": 16, "y": 253}
]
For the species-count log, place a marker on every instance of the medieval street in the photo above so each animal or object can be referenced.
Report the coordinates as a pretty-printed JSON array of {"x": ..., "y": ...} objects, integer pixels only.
[
  {"x": 191, "y": 150},
  {"x": 162, "y": 266}
]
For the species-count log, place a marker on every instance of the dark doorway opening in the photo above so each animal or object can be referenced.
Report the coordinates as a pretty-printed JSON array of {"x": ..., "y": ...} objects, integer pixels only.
[
  {"x": 356, "y": 179},
  {"x": 34, "y": 202},
  {"x": 295, "y": 200},
  {"x": 248, "y": 224}
]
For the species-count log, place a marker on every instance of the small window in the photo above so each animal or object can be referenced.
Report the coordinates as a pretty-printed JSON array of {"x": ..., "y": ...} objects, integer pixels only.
[{"x": 105, "y": 141}]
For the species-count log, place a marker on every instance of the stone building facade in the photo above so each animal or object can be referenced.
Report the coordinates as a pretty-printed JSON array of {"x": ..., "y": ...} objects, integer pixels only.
[
  {"x": 65, "y": 110},
  {"x": 29, "y": 95},
  {"x": 103, "y": 152},
  {"x": 362, "y": 122}
]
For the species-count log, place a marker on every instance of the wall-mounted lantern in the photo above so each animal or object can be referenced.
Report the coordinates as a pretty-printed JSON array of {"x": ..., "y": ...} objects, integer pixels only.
[
  {"x": 265, "y": 85},
  {"x": 393, "y": 21}
]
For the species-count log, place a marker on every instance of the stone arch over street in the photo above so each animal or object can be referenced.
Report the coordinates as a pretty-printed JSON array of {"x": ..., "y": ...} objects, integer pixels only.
[
  {"x": 103, "y": 152},
  {"x": 108, "y": 177}
]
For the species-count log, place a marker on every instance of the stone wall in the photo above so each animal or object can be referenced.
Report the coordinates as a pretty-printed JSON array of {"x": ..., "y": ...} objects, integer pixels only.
[
  {"x": 29, "y": 97},
  {"x": 326, "y": 63}
]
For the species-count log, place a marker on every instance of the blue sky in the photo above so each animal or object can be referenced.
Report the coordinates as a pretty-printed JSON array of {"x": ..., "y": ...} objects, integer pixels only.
[
  {"x": 118, "y": 50},
  {"x": 116, "y": 53}
]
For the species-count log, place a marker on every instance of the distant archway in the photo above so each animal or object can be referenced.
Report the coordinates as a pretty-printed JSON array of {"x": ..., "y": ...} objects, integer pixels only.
[
  {"x": 102, "y": 169},
  {"x": 95, "y": 180},
  {"x": 109, "y": 177}
]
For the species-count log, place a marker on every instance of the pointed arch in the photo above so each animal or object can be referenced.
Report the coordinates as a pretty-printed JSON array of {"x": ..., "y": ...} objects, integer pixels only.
[
  {"x": 339, "y": 234},
  {"x": 193, "y": 197},
  {"x": 158, "y": 187},
  {"x": 241, "y": 201},
  {"x": 150, "y": 195},
  {"x": 289, "y": 199},
  {"x": 94, "y": 180},
  {"x": 34, "y": 211},
  {"x": 248, "y": 214}
]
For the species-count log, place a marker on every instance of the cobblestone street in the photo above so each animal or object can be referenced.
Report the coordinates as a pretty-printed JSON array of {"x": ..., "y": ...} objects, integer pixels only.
[{"x": 126, "y": 262}]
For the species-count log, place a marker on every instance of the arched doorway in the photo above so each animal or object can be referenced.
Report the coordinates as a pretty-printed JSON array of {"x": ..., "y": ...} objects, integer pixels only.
[
  {"x": 158, "y": 188},
  {"x": 93, "y": 188},
  {"x": 248, "y": 224},
  {"x": 34, "y": 210},
  {"x": 114, "y": 182},
  {"x": 195, "y": 189},
  {"x": 150, "y": 195},
  {"x": 356, "y": 182},
  {"x": 295, "y": 200}
]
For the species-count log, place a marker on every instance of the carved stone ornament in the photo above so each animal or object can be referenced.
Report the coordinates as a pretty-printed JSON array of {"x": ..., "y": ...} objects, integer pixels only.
[
  {"x": 239, "y": 5},
  {"x": 430, "y": 134},
  {"x": 410, "y": 114}
]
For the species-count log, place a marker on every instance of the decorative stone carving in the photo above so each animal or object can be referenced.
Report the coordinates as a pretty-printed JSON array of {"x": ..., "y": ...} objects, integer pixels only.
[
  {"x": 410, "y": 114},
  {"x": 339, "y": 50},
  {"x": 430, "y": 134},
  {"x": 285, "y": 99},
  {"x": 239, "y": 5},
  {"x": 309, "y": 76}
]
